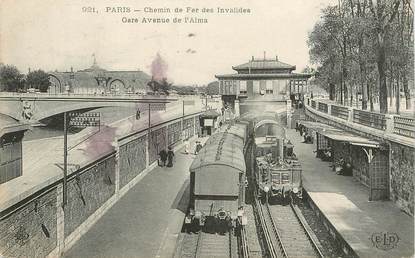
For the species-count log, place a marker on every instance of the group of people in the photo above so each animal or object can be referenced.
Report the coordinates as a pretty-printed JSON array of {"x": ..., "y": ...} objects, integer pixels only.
[
  {"x": 303, "y": 132},
  {"x": 166, "y": 156}
]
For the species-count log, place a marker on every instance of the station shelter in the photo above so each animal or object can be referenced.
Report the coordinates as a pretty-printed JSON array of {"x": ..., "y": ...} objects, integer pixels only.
[
  {"x": 369, "y": 158},
  {"x": 11, "y": 135},
  {"x": 209, "y": 122}
]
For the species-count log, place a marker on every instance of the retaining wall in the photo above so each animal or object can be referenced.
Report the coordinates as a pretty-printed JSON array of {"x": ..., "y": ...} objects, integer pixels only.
[{"x": 38, "y": 226}]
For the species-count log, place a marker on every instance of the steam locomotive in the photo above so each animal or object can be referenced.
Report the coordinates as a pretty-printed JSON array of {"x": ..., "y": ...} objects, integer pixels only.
[{"x": 277, "y": 170}]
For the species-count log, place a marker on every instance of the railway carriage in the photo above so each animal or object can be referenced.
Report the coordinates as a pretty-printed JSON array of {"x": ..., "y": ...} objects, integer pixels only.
[{"x": 217, "y": 180}]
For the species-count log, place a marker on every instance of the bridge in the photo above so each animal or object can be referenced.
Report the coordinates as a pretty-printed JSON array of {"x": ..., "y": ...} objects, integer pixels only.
[{"x": 33, "y": 108}]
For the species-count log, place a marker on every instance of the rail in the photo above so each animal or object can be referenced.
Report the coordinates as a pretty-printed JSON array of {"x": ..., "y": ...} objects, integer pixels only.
[
  {"x": 307, "y": 230},
  {"x": 244, "y": 243},
  {"x": 404, "y": 126},
  {"x": 198, "y": 244}
]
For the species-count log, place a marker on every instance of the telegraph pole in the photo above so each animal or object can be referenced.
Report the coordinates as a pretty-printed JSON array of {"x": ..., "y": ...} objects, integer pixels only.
[{"x": 65, "y": 158}]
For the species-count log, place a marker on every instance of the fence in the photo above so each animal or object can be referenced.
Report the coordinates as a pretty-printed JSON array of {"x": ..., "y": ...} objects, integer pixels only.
[
  {"x": 370, "y": 119},
  {"x": 404, "y": 126}
]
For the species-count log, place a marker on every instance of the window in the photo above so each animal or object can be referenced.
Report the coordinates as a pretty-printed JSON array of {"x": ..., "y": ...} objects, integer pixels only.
[
  {"x": 269, "y": 88},
  {"x": 242, "y": 87}
]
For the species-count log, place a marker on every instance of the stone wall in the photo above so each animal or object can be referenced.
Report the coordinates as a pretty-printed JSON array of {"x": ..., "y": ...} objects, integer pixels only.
[
  {"x": 30, "y": 231},
  {"x": 87, "y": 191},
  {"x": 157, "y": 143},
  {"x": 360, "y": 165},
  {"x": 132, "y": 159},
  {"x": 402, "y": 177}
]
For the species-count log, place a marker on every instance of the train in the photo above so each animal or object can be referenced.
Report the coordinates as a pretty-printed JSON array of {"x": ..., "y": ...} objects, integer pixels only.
[
  {"x": 277, "y": 170},
  {"x": 218, "y": 180}
]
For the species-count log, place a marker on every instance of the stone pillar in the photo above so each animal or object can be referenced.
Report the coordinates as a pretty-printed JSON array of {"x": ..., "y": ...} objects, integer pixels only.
[
  {"x": 237, "y": 112},
  {"x": 329, "y": 109},
  {"x": 389, "y": 123},
  {"x": 148, "y": 150},
  {"x": 350, "y": 118},
  {"x": 289, "y": 115},
  {"x": 60, "y": 221},
  {"x": 117, "y": 168}
]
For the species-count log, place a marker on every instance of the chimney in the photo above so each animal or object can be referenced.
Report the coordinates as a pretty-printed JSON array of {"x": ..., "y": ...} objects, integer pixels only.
[
  {"x": 29, "y": 69},
  {"x": 252, "y": 58},
  {"x": 276, "y": 58},
  {"x": 264, "y": 55},
  {"x": 71, "y": 69}
]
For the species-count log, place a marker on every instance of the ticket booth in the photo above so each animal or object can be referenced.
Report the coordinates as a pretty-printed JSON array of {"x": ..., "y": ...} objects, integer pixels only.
[
  {"x": 11, "y": 135},
  {"x": 209, "y": 122}
]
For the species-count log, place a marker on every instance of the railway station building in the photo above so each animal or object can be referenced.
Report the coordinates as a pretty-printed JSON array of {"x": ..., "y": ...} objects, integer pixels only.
[{"x": 260, "y": 85}]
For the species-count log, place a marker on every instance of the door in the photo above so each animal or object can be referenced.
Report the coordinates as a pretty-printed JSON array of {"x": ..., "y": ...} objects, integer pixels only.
[{"x": 379, "y": 175}]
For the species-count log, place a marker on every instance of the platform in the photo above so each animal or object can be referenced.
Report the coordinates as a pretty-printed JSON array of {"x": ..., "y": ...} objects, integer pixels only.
[
  {"x": 147, "y": 220},
  {"x": 344, "y": 202}
]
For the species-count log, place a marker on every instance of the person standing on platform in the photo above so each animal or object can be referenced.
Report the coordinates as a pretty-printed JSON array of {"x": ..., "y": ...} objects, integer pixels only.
[
  {"x": 186, "y": 147},
  {"x": 170, "y": 156},
  {"x": 163, "y": 158},
  {"x": 198, "y": 147}
]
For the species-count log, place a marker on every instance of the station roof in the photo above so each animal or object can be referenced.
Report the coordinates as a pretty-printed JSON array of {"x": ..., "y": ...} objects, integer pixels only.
[
  {"x": 9, "y": 125},
  {"x": 264, "y": 64},
  {"x": 252, "y": 76}
]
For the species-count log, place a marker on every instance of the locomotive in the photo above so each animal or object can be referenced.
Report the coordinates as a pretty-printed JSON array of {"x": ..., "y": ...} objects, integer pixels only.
[
  {"x": 277, "y": 170},
  {"x": 217, "y": 180}
]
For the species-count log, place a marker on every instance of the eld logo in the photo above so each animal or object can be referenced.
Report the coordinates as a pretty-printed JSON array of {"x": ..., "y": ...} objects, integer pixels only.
[{"x": 385, "y": 240}]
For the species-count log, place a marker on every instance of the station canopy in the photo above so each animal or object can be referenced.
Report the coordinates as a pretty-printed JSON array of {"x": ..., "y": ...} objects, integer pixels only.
[
  {"x": 336, "y": 134},
  {"x": 319, "y": 127},
  {"x": 210, "y": 114},
  {"x": 350, "y": 138}
]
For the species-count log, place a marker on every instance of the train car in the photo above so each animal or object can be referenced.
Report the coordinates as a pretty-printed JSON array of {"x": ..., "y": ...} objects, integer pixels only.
[
  {"x": 217, "y": 181},
  {"x": 277, "y": 170}
]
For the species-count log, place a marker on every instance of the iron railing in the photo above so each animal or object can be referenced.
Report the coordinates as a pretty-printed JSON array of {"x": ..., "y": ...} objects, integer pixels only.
[
  {"x": 340, "y": 112},
  {"x": 374, "y": 120}
]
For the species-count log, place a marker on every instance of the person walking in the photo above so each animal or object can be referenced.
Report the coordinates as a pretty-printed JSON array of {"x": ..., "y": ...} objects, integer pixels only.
[
  {"x": 163, "y": 158},
  {"x": 170, "y": 155}
]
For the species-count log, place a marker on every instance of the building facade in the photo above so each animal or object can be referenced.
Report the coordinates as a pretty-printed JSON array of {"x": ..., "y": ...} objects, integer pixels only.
[
  {"x": 96, "y": 80},
  {"x": 261, "y": 85}
]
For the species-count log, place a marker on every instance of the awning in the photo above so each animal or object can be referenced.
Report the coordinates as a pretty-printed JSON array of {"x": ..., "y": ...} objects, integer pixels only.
[
  {"x": 318, "y": 126},
  {"x": 350, "y": 138},
  {"x": 210, "y": 114}
]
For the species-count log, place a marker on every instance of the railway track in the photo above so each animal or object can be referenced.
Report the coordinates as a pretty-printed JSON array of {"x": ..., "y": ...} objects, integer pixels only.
[
  {"x": 205, "y": 245},
  {"x": 286, "y": 232}
]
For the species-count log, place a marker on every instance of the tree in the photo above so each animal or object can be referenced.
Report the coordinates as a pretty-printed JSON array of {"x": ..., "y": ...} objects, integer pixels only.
[
  {"x": 212, "y": 88},
  {"x": 160, "y": 86},
  {"x": 10, "y": 78},
  {"x": 39, "y": 80}
]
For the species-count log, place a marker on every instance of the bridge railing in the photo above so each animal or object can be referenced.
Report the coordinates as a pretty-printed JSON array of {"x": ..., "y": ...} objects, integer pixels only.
[
  {"x": 340, "y": 112},
  {"x": 395, "y": 124},
  {"x": 404, "y": 126}
]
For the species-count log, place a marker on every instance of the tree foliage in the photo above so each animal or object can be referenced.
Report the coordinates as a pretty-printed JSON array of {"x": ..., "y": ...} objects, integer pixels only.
[
  {"x": 365, "y": 48},
  {"x": 39, "y": 80},
  {"x": 160, "y": 86},
  {"x": 10, "y": 78}
]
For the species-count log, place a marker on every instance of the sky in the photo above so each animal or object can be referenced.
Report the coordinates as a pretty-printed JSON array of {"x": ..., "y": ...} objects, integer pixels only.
[{"x": 57, "y": 35}]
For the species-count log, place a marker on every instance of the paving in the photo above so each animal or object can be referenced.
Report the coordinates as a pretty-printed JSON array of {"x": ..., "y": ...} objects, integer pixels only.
[
  {"x": 344, "y": 202},
  {"x": 146, "y": 221}
]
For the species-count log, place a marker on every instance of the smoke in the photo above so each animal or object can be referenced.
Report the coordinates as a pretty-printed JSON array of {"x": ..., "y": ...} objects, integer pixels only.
[{"x": 159, "y": 68}]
